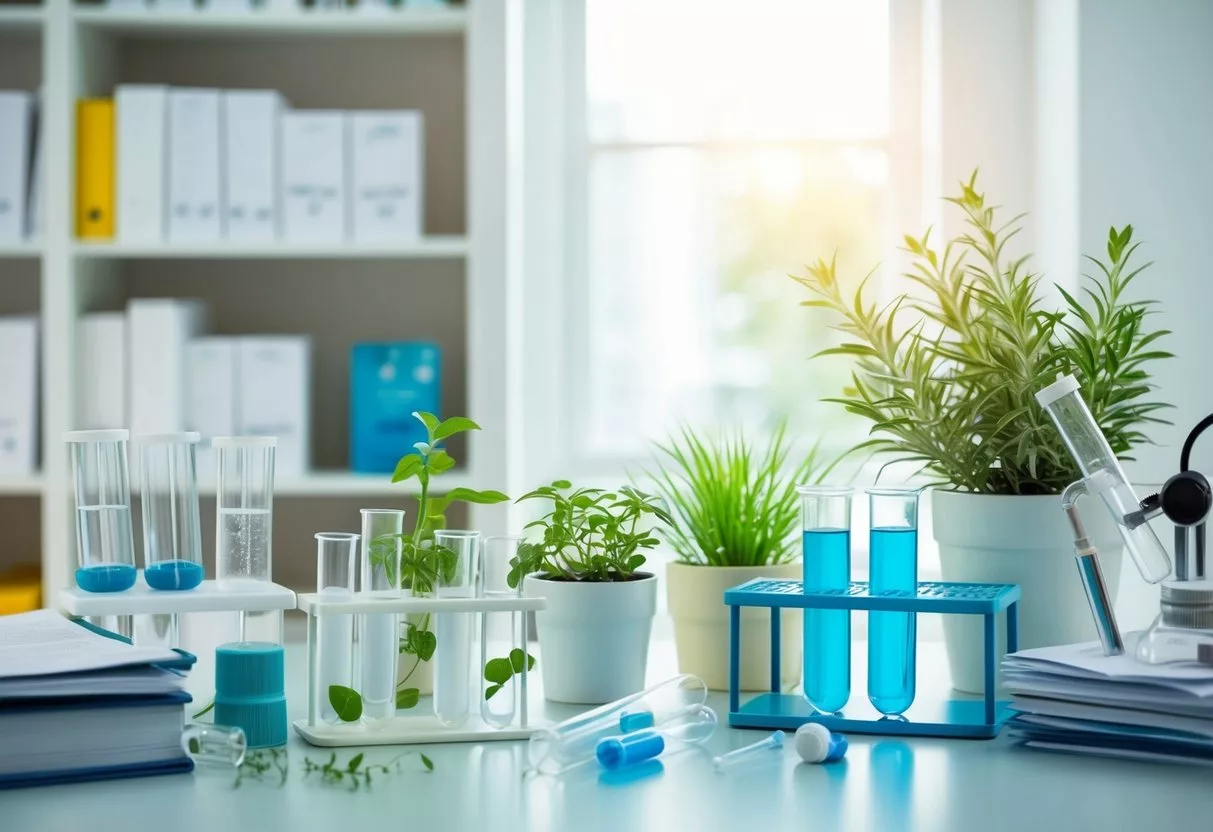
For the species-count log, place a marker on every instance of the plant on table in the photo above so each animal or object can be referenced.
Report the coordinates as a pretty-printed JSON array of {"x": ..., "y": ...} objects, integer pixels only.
[{"x": 952, "y": 388}]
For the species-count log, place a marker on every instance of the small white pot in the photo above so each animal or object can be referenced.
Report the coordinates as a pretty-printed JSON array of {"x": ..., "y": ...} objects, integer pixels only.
[
  {"x": 593, "y": 637},
  {"x": 695, "y": 596},
  {"x": 990, "y": 538}
]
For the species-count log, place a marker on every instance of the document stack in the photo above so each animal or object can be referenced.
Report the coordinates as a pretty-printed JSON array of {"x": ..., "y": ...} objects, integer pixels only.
[
  {"x": 79, "y": 703},
  {"x": 1075, "y": 699}
]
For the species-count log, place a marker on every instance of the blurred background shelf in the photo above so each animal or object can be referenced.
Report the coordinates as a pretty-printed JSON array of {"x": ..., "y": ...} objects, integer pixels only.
[
  {"x": 303, "y": 22},
  {"x": 20, "y": 18},
  {"x": 429, "y": 248},
  {"x": 26, "y": 485},
  {"x": 22, "y": 250},
  {"x": 350, "y": 484}
]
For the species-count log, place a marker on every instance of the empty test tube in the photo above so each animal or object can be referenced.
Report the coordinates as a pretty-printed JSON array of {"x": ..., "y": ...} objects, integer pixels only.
[
  {"x": 503, "y": 629},
  {"x": 214, "y": 744},
  {"x": 453, "y": 658},
  {"x": 748, "y": 753},
  {"x": 335, "y": 582},
  {"x": 379, "y": 632}
]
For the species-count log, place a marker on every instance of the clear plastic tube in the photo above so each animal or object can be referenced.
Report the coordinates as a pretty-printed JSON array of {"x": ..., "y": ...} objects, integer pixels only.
[
  {"x": 893, "y": 556},
  {"x": 575, "y": 741},
  {"x": 500, "y": 632},
  {"x": 1103, "y": 475},
  {"x": 104, "y": 538},
  {"x": 172, "y": 529},
  {"x": 244, "y": 510},
  {"x": 379, "y": 632},
  {"x": 335, "y": 638},
  {"x": 753, "y": 752},
  {"x": 217, "y": 745},
  {"x": 693, "y": 726},
  {"x": 453, "y": 658},
  {"x": 826, "y": 521}
]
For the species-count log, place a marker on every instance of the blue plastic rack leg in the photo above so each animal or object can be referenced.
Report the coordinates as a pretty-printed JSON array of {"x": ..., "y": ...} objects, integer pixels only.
[
  {"x": 775, "y": 650},
  {"x": 734, "y": 658},
  {"x": 991, "y": 651}
]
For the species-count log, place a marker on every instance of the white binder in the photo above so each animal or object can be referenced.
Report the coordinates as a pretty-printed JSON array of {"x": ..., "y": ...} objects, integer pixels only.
[
  {"x": 140, "y": 144},
  {"x": 250, "y": 151},
  {"x": 388, "y": 175},
  {"x": 195, "y": 204},
  {"x": 314, "y": 176}
]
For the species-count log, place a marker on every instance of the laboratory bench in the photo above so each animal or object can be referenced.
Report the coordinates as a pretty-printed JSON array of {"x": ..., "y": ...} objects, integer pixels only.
[{"x": 885, "y": 784}]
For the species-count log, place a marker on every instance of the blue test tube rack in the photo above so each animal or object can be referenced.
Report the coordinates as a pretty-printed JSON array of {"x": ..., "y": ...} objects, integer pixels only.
[{"x": 927, "y": 717}]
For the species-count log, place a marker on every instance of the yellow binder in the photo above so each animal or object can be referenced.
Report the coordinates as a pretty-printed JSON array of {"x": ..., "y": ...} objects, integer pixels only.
[{"x": 95, "y": 168}]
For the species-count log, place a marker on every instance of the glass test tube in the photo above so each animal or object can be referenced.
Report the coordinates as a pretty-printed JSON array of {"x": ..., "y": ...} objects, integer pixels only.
[
  {"x": 244, "y": 507},
  {"x": 335, "y": 582},
  {"x": 453, "y": 658},
  {"x": 893, "y": 567},
  {"x": 172, "y": 531},
  {"x": 500, "y": 632},
  {"x": 379, "y": 632},
  {"x": 826, "y": 521},
  {"x": 104, "y": 539}
]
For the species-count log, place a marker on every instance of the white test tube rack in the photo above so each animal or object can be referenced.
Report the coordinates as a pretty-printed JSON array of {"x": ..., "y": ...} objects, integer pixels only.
[{"x": 411, "y": 729}]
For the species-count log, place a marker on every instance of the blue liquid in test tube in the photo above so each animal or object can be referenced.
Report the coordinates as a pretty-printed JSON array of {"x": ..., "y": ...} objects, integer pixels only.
[
  {"x": 893, "y": 568},
  {"x": 826, "y": 520}
]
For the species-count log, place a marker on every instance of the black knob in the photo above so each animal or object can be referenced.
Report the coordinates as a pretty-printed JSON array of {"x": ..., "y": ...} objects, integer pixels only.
[{"x": 1186, "y": 498}]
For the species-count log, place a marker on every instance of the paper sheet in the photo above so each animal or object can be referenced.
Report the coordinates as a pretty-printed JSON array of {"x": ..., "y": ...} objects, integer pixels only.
[
  {"x": 1090, "y": 661},
  {"x": 44, "y": 642}
]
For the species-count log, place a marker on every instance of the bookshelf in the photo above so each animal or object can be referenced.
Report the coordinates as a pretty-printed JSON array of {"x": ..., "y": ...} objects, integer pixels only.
[{"x": 450, "y": 286}]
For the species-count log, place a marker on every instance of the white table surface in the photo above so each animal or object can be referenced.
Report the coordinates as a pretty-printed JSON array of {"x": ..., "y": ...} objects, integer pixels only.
[{"x": 885, "y": 784}]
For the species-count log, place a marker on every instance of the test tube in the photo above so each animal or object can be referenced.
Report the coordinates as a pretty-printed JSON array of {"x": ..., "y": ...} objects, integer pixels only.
[
  {"x": 500, "y": 628},
  {"x": 104, "y": 539},
  {"x": 335, "y": 582},
  {"x": 244, "y": 509},
  {"x": 893, "y": 567},
  {"x": 380, "y": 631},
  {"x": 172, "y": 531},
  {"x": 457, "y": 561},
  {"x": 826, "y": 522},
  {"x": 218, "y": 745}
]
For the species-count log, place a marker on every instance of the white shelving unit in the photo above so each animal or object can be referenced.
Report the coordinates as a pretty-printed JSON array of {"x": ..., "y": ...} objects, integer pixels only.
[{"x": 453, "y": 286}]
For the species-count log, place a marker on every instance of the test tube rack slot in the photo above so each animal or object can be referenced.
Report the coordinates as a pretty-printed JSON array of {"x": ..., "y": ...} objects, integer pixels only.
[
  {"x": 927, "y": 717},
  {"x": 407, "y": 729},
  {"x": 206, "y": 597}
]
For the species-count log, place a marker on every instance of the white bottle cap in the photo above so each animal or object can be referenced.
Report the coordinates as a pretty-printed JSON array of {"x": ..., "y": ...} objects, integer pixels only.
[{"x": 1064, "y": 386}]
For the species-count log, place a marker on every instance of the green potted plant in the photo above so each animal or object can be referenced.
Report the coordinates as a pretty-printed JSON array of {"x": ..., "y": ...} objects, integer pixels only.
[
  {"x": 736, "y": 516},
  {"x": 594, "y": 633},
  {"x": 947, "y": 376}
]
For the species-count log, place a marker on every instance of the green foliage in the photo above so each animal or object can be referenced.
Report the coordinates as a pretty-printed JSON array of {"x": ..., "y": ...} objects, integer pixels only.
[
  {"x": 731, "y": 502},
  {"x": 499, "y": 671},
  {"x": 953, "y": 390},
  {"x": 589, "y": 535},
  {"x": 355, "y": 773},
  {"x": 261, "y": 762},
  {"x": 346, "y": 702}
]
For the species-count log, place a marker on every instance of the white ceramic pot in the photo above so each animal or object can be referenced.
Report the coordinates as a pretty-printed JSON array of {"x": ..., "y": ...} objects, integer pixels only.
[
  {"x": 593, "y": 637},
  {"x": 695, "y": 596},
  {"x": 991, "y": 538}
]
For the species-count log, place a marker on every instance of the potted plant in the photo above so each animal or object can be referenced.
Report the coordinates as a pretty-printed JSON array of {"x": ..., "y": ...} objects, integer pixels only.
[
  {"x": 594, "y": 633},
  {"x": 947, "y": 376},
  {"x": 736, "y": 516}
]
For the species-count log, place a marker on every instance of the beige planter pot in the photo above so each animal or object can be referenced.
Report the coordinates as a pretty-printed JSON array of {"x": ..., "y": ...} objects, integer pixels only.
[
  {"x": 989, "y": 538},
  {"x": 695, "y": 596}
]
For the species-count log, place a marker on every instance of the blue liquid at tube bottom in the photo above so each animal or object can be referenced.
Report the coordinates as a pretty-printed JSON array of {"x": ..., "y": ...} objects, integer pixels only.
[
  {"x": 827, "y": 633},
  {"x": 110, "y": 577},
  {"x": 891, "y": 635},
  {"x": 173, "y": 575}
]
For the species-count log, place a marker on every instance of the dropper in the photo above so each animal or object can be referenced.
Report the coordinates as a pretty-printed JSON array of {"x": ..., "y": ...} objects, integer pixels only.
[{"x": 727, "y": 761}]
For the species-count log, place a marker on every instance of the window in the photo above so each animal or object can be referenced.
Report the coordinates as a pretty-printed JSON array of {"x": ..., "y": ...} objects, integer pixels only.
[{"x": 718, "y": 147}]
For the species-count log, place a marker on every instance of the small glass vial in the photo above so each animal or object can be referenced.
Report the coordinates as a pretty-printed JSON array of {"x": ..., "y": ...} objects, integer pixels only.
[
  {"x": 1184, "y": 624},
  {"x": 826, "y": 522},
  {"x": 457, "y": 553},
  {"x": 244, "y": 509},
  {"x": 217, "y": 745},
  {"x": 379, "y": 632},
  {"x": 500, "y": 632},
  {"x": 335, "y": 582},
  {"x": 893, "y": 567},
  {"x": 104, "y": 538},
  {"x": 172, "y": 531}
]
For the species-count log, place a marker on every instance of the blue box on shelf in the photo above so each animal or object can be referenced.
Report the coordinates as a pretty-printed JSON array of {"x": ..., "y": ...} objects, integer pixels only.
[
  {"x": 388, "y": 382},
  {"x": 975, "y": 718}
]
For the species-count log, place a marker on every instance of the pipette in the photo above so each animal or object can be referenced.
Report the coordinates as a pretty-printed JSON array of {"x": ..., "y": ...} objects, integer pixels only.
[{"x": 749, "y": 752}]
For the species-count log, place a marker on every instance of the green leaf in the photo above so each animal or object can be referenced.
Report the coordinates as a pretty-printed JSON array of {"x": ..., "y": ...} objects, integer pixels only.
[
  {"x": 635, "y": 562},
  {"x": 428, "y": 419},
  {"x": 210, "y": 707},
  {"x": 407, "y": 698},
  {"x": 498, "y": 670},
  {"x": 346, "y": 702},
  {"x": 196, "y": 746},
  {"x": 426, "y": 643},
  {"x": 425, "y": 761},
  {"x": 483, "y": 498},
  {"x": 562, "y": 484},
  {"x": 517, "y": 657},
  {"x": 452, "y": 426},
  {"x": 355, "y": 761},
  {"x": 439, "y": 461},
  {"x": 408, "y": 466},
  {"x": 491, "y": 691}
]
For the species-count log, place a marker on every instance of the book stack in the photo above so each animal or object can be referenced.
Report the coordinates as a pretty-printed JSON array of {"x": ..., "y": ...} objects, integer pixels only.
[
  {"x": 1075, "y": 699},
  {"x": 79, "y": 703}
]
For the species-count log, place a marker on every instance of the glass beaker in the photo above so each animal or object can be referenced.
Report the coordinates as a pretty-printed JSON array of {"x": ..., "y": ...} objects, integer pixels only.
[
  {"x": 826, "y": 522},
  {"x": 503, "y": 630},
  {"x": 244, "y": 506},
  {"x": 893, "y": 567},
  {"x": 172, "y": 530},
  {"x": 335, "y": 632},
  {"x": 457, "y": 561},
  {"x": 379, "y": 632},
  {"x": 104, "y": 538}
]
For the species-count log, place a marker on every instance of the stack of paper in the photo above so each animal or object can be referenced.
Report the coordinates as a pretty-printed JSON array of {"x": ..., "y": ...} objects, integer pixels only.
[{"x": 1073, "y": 698}]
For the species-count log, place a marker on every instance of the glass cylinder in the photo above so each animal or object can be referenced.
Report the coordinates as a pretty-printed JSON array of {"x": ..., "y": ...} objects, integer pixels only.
[
  {"x": 218, "y": 745},
  {"x": 379, "y": 641},
  {"x": 457, "y": 552},
  {"x": 893, "y": 567},
  {"x": 104, "y": 538},
  {"x": 500, "y": 632},
  {"x": 335, "y": 632},
  {"x": 244, "y": 509},
  {"x": 826, "y": 524},
  {"x": 172, "y": 530}
]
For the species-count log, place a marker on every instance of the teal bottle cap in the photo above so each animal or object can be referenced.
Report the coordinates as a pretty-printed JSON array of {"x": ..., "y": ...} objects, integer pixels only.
[{"x": 250, "y": 691}]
